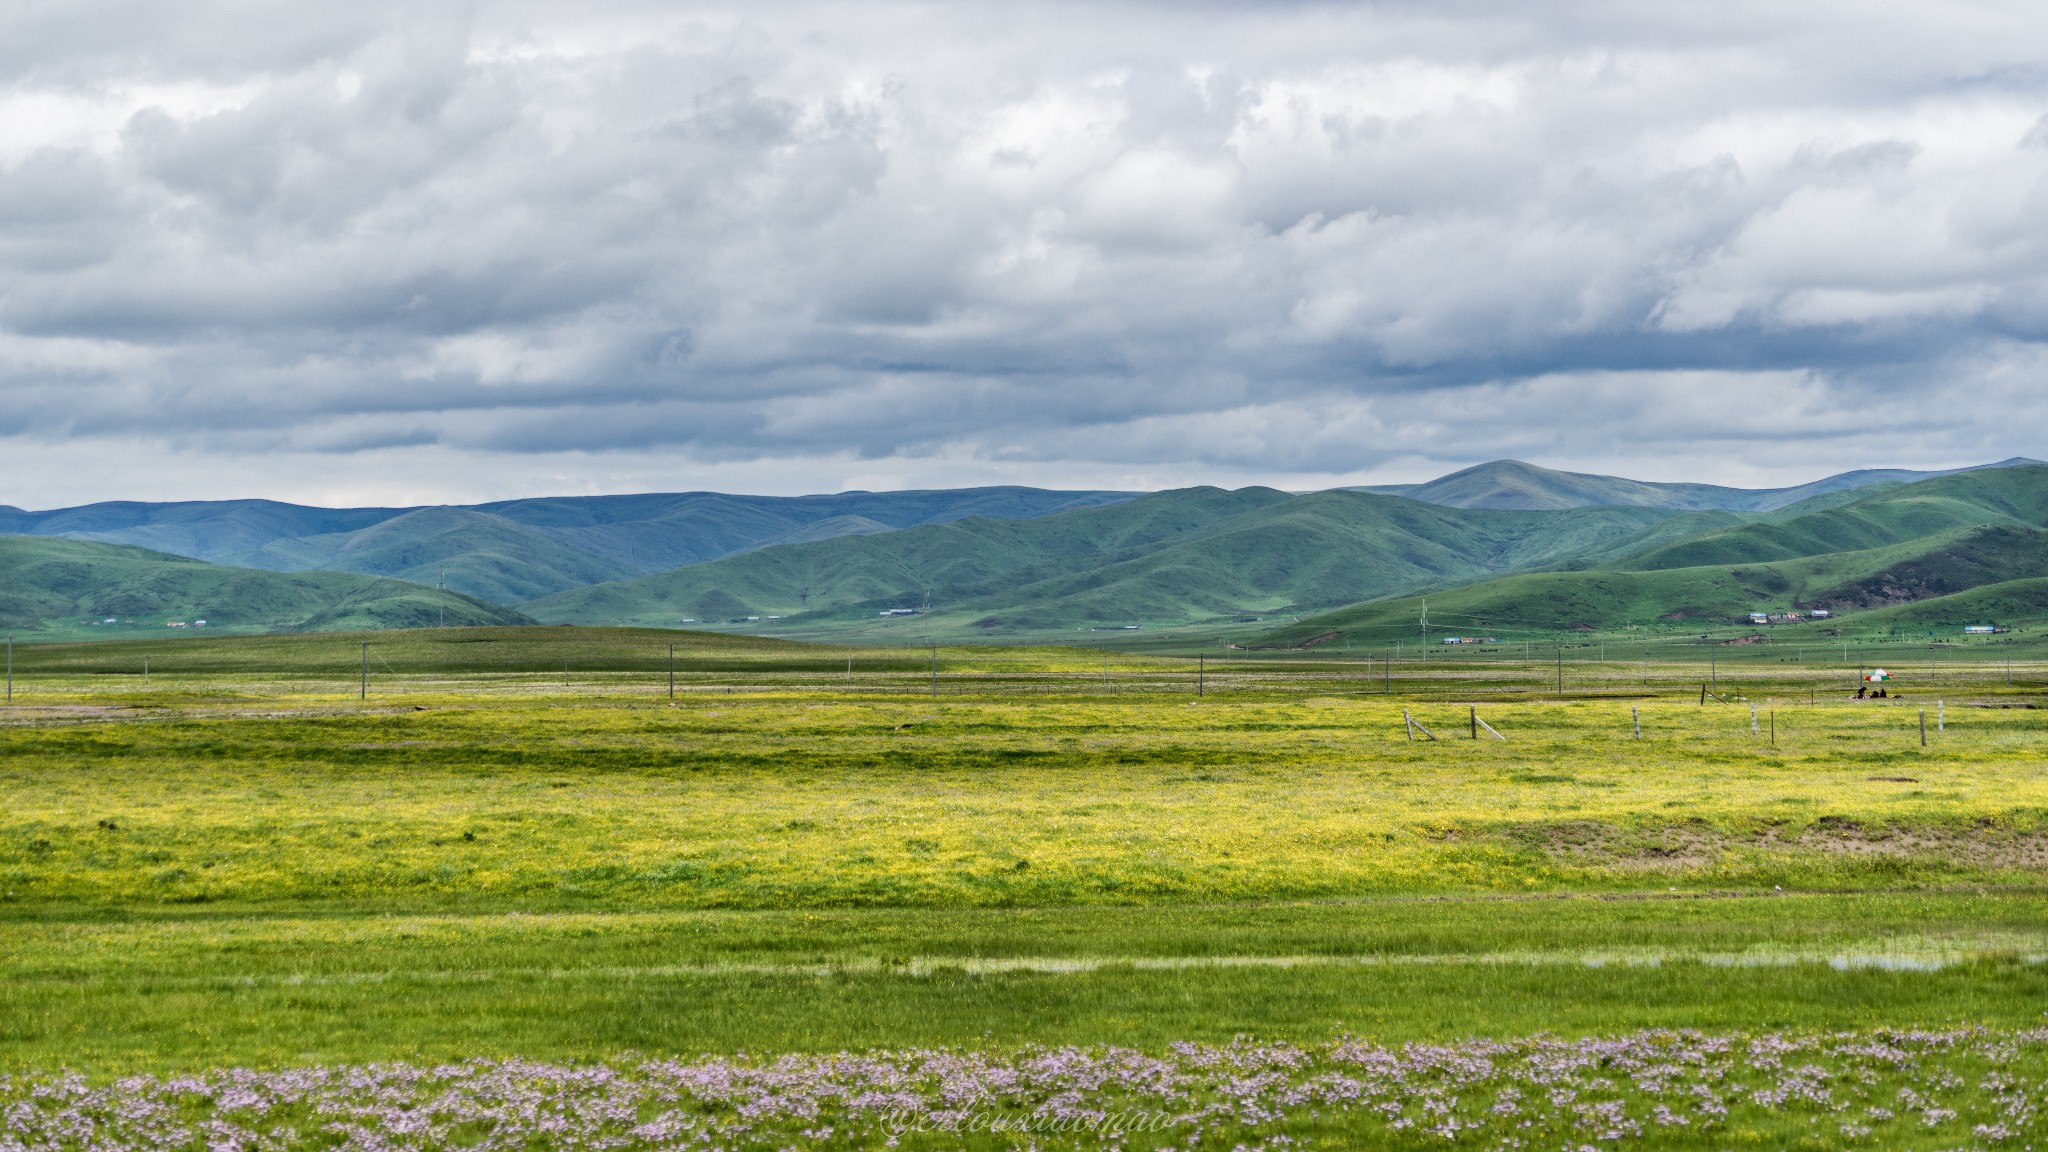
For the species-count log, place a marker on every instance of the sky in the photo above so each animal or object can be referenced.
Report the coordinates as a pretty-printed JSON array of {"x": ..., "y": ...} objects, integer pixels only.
[{"x": 411, "y": 252}]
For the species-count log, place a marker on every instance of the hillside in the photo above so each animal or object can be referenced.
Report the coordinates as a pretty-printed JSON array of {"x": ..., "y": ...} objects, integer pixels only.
[
  {"x": 515, "y": 550},
  {"x": 1188, "y": 555},
  {"x": 1936, "y": 539},
  {"x": 481, "y": 554},
  {"x": 68, "y": 587},
  {"x": 2006, "y": 603},
  {"x": 2017, "y": 495},
  {"x": 519, "y": 551},
  {"x": 1514, "y": 484}
]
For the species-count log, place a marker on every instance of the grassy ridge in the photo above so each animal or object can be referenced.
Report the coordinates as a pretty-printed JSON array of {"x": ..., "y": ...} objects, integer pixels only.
[
  {"x": 515, "y": 550},
  {"x": 1678, "y": 598},
  {"x": 1202, "y": 557},
  {"x": 517, "y": 650},
  {"x": 67, "y": 586},
  {"x": 1933, "y": 540},
  {"x": 1917, "y": 511},
  {"x": 1171, "y": 557}
]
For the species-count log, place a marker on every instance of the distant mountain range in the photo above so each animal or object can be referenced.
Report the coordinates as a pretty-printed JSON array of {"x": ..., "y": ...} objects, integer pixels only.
[
  {"x": 1494, "y": 544},
  {"x": 1192, "y": 554},
  {"x": 513, "y": 551},
  {"x": 1513, "y": 484}
]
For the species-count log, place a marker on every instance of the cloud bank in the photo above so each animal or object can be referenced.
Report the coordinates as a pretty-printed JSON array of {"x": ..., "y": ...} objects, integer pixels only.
[{"x": 416, "y": 251}]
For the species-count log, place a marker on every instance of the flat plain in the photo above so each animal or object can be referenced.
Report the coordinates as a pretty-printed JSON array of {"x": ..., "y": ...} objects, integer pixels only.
[{"x": 257, "y": 860}]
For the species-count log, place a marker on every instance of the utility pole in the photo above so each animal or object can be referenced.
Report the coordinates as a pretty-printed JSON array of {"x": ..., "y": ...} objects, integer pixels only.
[{"x": 363, "y": 690}]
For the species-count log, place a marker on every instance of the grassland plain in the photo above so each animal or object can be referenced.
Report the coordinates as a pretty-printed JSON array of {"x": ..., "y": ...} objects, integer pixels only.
[{"x": 241, "y": 864}]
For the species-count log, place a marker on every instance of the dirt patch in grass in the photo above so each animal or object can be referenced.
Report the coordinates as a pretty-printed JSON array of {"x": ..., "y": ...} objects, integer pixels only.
[
  {"x": 41, "y": 713},
  {"x": 1690, "y": 846}
]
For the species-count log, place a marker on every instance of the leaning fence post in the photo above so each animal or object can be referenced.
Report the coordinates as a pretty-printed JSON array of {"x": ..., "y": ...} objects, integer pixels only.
[
  {"x": 1635, "y": 716},
  {"x": 1475, "y": 721},
  {"x": 1752, "y": 718},
  {"x": 1923, "y": 727}
]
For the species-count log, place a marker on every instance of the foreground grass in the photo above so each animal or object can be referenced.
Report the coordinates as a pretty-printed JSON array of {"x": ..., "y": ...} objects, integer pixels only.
[
  {"x": 789, "y": 798},
  {"x": 237, "y": 867},
  {"x": 187, "y": 989}
]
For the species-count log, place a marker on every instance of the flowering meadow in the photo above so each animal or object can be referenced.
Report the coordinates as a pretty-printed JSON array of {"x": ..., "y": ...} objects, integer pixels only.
[
  {"x": 606, "y": 796},
  {"x": 829, "y": 910},
  {"x": 1957, "y": 1088}
]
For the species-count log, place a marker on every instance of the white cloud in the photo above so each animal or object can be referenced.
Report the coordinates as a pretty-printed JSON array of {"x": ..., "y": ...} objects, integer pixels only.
[{"x": 799, "y": 245}]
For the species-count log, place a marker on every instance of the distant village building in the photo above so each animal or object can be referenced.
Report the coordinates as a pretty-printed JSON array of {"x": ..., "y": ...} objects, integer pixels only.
[{"x": 1819, "y": 613}]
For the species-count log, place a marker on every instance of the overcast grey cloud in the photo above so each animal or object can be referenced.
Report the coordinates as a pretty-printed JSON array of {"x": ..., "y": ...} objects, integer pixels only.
[{"x": 410, "y": 252}]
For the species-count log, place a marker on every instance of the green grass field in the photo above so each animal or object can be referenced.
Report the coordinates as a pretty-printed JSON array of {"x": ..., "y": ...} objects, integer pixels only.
[{"x": 240, "y": 863}]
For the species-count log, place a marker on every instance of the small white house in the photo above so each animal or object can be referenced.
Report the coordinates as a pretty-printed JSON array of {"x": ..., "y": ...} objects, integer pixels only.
[
  {"x": 1818, "y": 614},
  {"x": 1759, "y": 617},
  {"x": 1978, "y": 629}
]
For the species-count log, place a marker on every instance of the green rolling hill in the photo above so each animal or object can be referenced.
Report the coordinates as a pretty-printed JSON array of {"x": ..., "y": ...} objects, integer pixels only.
[
  {"x": 516, "y": 550},
  {"x": 1890, "y": 516},
  {"x": 1504, "y": 545},
  {"x": 1908, "y": 548},
  {"x": 1173, "y": 557},
  {"x": 2005, "y": 603},
  {"x": 68, "y": 587},
  {"x": 481, "y": 554},
  {"x": 1514, "y": 484}
]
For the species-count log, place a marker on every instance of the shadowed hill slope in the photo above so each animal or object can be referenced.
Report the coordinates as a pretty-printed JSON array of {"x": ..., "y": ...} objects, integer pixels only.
[
  {"x": 70, "y": 585},
  {"x": 515, "y": 550},
  {"x": 1936, "y": 539},
  {"x": 2017, "y": 495},
  {"x": 1192, "y": 554}
]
